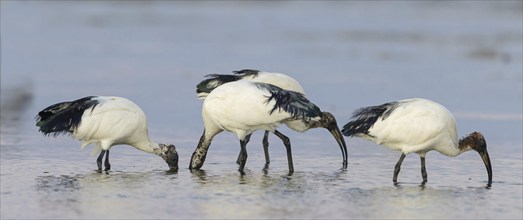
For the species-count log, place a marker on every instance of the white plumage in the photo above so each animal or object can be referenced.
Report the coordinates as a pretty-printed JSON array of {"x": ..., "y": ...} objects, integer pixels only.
[
  {"x": 104, "y": 121},
  {"x": 242, "y": 107},
  {"x": 415, "y": 126}
]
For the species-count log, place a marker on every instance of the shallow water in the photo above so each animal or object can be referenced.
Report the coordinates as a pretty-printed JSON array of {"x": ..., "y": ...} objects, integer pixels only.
[{"x": 466, "y": 56}]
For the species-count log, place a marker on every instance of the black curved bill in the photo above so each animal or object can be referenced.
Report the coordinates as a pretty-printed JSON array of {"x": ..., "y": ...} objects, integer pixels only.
[
  {"x": 336, "y": 133},
  {"x": 486, "y": 159}
]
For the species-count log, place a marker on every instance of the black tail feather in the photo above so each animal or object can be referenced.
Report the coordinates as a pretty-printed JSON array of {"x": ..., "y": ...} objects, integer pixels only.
[
  {"x": 64, "y": 117},
  {"x": 364, "y": 118}
]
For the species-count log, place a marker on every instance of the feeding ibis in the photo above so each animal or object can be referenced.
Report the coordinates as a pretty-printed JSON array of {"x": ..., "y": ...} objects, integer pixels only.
[
  {"x": 244, "y": 106},
  {"x": 278, "y": 79},
  {"x": 104, "y": 121},
  {"x": 415, "y": 126}
]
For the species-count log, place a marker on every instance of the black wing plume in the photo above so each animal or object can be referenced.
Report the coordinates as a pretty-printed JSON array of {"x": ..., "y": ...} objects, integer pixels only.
[
  {"x": 364, "y": 118},
  {"x": 63, "y": 117},
  {"x": 213, "y": 81},
  {"x": 292, "y": 102}
]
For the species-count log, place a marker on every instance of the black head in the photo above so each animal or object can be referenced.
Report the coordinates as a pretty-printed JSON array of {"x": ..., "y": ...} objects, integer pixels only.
[
  {"x": 169, "y": 154},
  {"x": 328, "y": 121},
  {"x": 477, "y": 142}
]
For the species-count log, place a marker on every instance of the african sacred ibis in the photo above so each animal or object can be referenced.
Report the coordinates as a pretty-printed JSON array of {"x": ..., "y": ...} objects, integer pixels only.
[
  {"x": 104, "y": 121},
  {"x": 278, "y": 79},
  {"x": 244, "y": 106},
  {"x": 415, "y": 126}
]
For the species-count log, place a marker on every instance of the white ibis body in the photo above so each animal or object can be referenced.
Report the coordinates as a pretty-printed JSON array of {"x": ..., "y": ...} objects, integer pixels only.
[
  {"x": 415, "y": 126},
  {"x": 278, "y": 79},
  {"x": 242, "y": 107},
  {"x": 104, "y": 121}
]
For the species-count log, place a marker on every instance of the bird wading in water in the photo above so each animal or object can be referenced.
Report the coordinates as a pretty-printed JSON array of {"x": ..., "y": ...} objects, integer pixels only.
[
  {"x": 415, "y": 126},
  {"x": 104, "y": 121},
  {"x": 278, "y": 79},
  {"x": 242, "y": 107}
]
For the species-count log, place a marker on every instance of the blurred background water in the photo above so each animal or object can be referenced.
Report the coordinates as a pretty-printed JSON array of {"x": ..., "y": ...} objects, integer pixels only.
[{"x": 466, "y": 55}]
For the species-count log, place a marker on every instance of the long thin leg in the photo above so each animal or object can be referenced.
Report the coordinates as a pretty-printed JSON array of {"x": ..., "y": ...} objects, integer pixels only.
[
  {"x": 423, "y": 171},
  {"x": 266, "y": 147},
  {"x": 247, "y": 139},
  {"x": 239, "y": 157},
  {"x": 397, "y": 168},
  {"x": 287, "y": 144},
  {"x": 106, "y": 163},
  {"x": 243, "y": 152},
  {"x": 198, "y": 156},
  {"x": 99, "y": 160}
]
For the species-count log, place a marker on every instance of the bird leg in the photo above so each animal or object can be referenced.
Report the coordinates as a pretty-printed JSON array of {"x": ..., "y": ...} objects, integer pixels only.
[
  {"x": 397, "y": 169},
  {"x": 99, "y": 160},
  {"x": 423, "y": 171},
  {"x": 287, "y": 144},
  {"x": 106, "y": 163},
  {"x": 239, "y": 159},
  {"x": 266, "y": 147},
  {"x": 243, "y": 152},
  {"x": 198, "y": 156}
]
